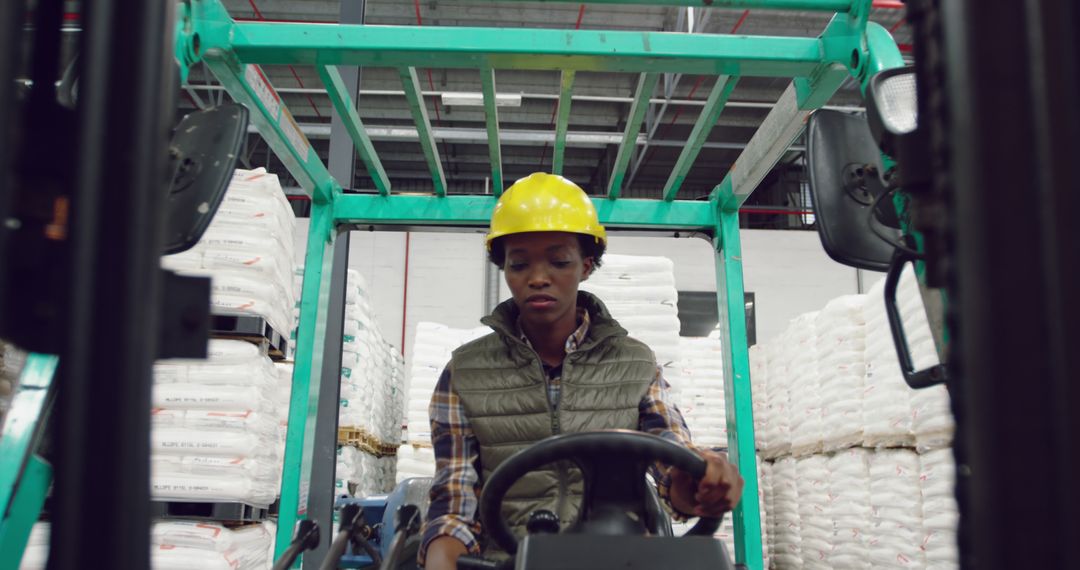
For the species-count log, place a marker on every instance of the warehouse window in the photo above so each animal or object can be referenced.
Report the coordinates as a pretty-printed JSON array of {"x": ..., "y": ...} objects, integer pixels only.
[{"x": 698, "y": 315}]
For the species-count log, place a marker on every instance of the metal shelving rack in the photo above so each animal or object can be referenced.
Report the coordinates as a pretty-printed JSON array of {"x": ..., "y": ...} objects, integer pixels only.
[{"x": 848, "y": 47}]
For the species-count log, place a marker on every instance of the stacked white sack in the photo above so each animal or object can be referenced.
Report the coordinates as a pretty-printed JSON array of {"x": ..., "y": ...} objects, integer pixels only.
[
  {"x": 415, "y": 461},
  {"x": 640, "y": 292},
  {"x": 937, "y": 474},
  {"x": 431, "y": 352},
  {"x": 372, "y": 383},
  {"x": 210, "y": 546},
  {"x": 697, "y": 380},
  {"x": 361, "y": 474},
  {"x": 816, "y": 534},
  {"x": 432, "y": 348},
  {"x": 768, "y": 513},
  {"x": 896, "y": 510},
  {"x": 247, "y": 251},
  {"x": 849, "y": 491},
  {"x": 841, "y": 342},
  {"x": 372, "y": 393},
  {"x": 804, "y": 401},
  {"x": 283, "y": 395},
  {"x": 183, "y": 545},
  {"x": 931, "y": 415},
  {"x": 886, "y": 411},
  {"x": 216, "y": 426},
  {"x": 759, "y": 381},
  {"x": 777, "y": 438},
  {"x": 787, "y": 525}
]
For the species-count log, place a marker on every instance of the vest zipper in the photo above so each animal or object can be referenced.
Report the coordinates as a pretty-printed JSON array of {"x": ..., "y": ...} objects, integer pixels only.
[{"x": 564, "y": 490}]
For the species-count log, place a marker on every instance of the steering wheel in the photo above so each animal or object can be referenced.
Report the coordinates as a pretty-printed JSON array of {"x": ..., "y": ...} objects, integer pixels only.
[{"x": 613, "y": 465}]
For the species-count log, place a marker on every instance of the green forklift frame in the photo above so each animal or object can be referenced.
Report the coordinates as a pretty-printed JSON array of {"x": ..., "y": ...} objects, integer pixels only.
[{"x": 850, "y": 46}]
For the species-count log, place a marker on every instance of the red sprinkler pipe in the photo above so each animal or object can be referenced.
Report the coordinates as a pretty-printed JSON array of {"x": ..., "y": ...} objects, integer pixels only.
[{"x": 405, "y": 295}]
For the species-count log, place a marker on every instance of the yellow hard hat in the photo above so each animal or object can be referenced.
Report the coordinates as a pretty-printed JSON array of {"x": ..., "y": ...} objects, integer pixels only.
[{"x": 543, "y": 202}]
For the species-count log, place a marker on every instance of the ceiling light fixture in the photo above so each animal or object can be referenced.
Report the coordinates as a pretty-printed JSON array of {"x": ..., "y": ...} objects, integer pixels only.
[{"x": 477, "y": 100}]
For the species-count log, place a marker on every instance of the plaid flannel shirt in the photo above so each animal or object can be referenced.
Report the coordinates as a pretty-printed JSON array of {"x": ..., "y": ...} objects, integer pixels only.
[{"x": 455, "y": 491}]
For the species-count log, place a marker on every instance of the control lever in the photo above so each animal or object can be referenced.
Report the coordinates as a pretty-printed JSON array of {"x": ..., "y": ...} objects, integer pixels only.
[
  {"x": 406, "y": 523},
  {"x": 352, "y": 530},
  {"x": 307, "y": 538}
]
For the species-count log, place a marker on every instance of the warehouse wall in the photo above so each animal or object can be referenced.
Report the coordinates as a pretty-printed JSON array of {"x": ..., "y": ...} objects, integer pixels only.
[
  {"x": 445, "y": 277},
  {"x": 788, "y": 271}
]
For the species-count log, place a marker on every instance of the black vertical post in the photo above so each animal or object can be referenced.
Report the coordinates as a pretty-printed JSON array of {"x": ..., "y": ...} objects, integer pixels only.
[
  {"x": 342, "y": 165},
  {"x": 1011, "y": 75},
  {"x": 101, "y": 508}
]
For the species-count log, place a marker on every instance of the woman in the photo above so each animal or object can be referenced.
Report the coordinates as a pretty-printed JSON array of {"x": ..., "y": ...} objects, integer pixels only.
[{"x": 557, "y": 362}]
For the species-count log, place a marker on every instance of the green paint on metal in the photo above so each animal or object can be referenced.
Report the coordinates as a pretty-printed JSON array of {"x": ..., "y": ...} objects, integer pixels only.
[
  {"x": 646, "y": 85},
  {"x": 815, "y": 91},
  {"x": 491, "y": 116},
  {"x": 23, "y": 421},
  {"x": 413, "y": 94},
  {"x": 810, "y": 5},
  {"x": 25, "y": 510},
  {"x": 738, "y": 398},
  {"x": 475, "y": 211},
  {"x": 566, "y": 89},
  {"x": 478, "y": 48},
  {"x": 773, "y": 138},
  {"x": 303, "y": 403},
  {"x": 343, "y": 104},
  {"x": 883, "y": 53},
  {"x": 211, "y": 21},
  {"x": 714, "y": 105},
  {"x": 183, "y": 47},
  {"x": 248, "y": 85}
]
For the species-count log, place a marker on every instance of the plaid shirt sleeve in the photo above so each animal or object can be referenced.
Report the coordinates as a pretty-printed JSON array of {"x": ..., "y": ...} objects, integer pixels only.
[
  {"x": 456, "y": 488},
  {"x": 659, "y": 415}
]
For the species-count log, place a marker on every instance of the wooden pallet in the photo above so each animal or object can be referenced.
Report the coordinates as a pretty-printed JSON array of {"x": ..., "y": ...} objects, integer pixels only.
[{"x": 362, "y": 440}]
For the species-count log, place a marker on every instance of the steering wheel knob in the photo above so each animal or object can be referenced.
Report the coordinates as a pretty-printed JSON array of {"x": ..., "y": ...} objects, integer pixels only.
[{"x": 543, "y": 522}]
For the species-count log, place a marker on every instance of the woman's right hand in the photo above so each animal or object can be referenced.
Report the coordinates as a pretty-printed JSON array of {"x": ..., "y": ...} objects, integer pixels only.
[{"x": 443, "y": 552}]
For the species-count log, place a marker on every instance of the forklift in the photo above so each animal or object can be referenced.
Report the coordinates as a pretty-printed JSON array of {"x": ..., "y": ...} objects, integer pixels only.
[{"x": 81, "y": 287}]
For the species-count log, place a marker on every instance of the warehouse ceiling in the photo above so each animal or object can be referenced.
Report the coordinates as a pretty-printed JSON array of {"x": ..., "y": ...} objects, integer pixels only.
[{"x": 600, "y": 104}]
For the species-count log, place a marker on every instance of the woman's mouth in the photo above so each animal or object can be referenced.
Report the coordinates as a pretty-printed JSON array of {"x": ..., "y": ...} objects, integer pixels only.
[{"x": 540, "y": 302}]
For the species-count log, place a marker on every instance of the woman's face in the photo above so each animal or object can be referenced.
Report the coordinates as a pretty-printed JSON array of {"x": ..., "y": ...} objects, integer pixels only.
[{"x": 543, "y": 271}]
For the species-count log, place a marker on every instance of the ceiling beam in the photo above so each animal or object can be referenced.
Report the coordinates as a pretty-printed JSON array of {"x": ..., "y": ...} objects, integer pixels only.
[
  {"x": 714, "y": 105},
  {"x": 487, "y": 81},
  {"x": 566, "y": 88},
  {"x": 517, "y": 137},
  {"x": 646, "y": 85},
  {"x": 343, "y": 104},
  {"x": 411, "y": 84}
]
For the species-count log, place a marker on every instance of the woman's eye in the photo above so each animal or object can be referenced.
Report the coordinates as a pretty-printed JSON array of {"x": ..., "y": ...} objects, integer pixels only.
[
  {"x": 561, "y": 264},
  {"x": 517, "y": 266}
]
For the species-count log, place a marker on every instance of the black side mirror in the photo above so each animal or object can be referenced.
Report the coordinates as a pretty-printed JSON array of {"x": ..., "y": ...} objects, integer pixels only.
[
  {"x": 856, "y": 222},
  {"x": 204, "y": 150}
]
